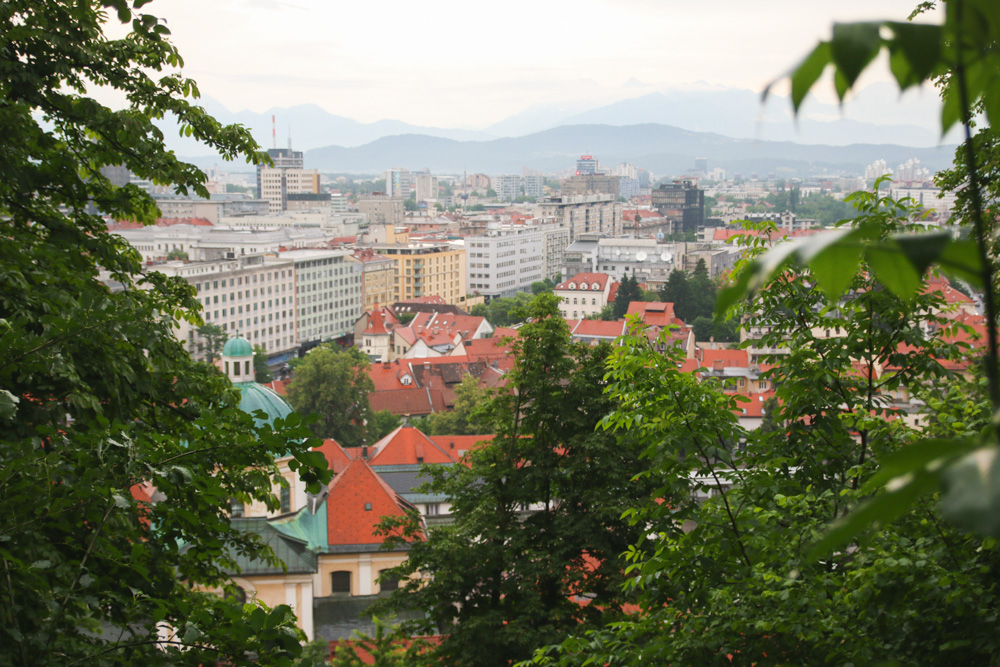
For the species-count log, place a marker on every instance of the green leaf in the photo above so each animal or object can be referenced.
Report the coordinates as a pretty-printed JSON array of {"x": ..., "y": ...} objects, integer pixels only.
[
  {"x": 961, "y": 259},
  {"x": 808, "y": 72},
  {"x": 972, "y": 491},
  {"x": 853, "y": 46},
  {"x": 919, "y": 44},
  {"x": 879, "y": 511},
  {"x": 922, "y": 249},
  {"x": 8, "y": 404},
  {"x": 915, "y": 457},
  {"x": 833, "y": 258},
  {"x": 893, "y": 269}
]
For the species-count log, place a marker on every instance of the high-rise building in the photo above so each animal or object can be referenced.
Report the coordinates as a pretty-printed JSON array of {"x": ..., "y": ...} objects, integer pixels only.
[
  {"x": 683, "y": 202},
  {"x": 587, "y": 164},
  {"x": 426, "y": 187},
  {"x": 507, "y": 187},
  {"x": 584, "y": 214},
  {"x": 381, "y": 209},
  {"x": 288, "y": 175},
  {"x": 590, "y": 184},
  {"x": 398, "y": 183},
  {"x": 534, "y": 185}
]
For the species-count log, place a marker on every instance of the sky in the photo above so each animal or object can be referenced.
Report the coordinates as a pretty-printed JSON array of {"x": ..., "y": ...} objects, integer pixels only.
[{"x": 447, "y": 63}]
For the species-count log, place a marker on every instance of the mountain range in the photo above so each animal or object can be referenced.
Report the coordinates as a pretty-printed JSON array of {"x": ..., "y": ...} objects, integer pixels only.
[{"x": 662, "y": 131}]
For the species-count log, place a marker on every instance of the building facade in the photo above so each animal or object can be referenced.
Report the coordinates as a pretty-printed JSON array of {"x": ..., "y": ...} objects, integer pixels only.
[
  {"x": 426, "y": 269},
  {"x": 683, "y": 202},
  {"x": 327, "y": 293},
  {"x": 382, "y": 209},
  {"x": 505, "y": 260},
  {"x": 378, "y": 284},
  {"x": 584, "y": 214}
]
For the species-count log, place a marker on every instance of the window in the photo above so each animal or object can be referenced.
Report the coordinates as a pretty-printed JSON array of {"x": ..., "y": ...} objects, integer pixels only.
[
  {"x": 387, "y": 582},
  {"x": 340, "y": 582},
  {"x": 434, "y": 508},
  {"x": 286, "y": 499},
  {"x": 236, "y": 508}
]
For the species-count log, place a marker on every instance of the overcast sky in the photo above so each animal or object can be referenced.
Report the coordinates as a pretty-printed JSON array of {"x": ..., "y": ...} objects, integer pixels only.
[{"x": 451, "y": 63}]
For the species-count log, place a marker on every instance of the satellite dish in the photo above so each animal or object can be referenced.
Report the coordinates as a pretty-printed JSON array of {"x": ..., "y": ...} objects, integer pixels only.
[
  {"x": 640, "y": 256},
  {"x": 666, "y": 257},
  {"x": 618, "y": 251},
  {"x": 660, "y": 236}
]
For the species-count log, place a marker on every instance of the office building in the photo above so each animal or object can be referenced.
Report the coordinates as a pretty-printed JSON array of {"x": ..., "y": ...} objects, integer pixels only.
[
  {"x": 682, "y": 202},
  {"x": 584, "y": 214}
]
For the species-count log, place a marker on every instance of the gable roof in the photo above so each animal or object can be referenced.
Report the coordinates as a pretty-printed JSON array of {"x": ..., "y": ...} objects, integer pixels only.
[
  {"x": 598, "y": 329},
  {"x": 407, "y": 445},
  {"x": 357, "y": 501},
  {"x": 336, "y": 457},
  {"x": 655, "y": 313},
  {"x": 584, "y": 281}
]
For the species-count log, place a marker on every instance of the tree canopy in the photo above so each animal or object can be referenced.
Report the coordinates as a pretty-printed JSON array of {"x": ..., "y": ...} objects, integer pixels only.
[
  {"x": 537, "y": 512},
  {"x": 333, "y": 384},
  {"x": 101, "y": 406}
]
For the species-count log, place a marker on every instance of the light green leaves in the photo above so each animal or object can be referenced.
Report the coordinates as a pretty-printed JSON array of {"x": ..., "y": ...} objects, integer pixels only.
[
  {"x": 834, "y": 258},
  {"x": 853, "y": 46}
]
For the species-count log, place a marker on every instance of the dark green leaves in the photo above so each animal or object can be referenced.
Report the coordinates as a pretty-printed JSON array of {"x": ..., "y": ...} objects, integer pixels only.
[
  {"x": 853, "y": 46},
  {"x": 807, "y": 73}
]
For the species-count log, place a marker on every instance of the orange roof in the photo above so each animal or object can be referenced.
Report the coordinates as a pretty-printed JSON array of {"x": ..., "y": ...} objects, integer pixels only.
[
  {"x": 599, "y": 328},
  {"x": 727, "y": 358},
  {"x": 381, "y": 321},
  {"x": 585, "y": 281},
  {"x": 655, "y": 313},
  {"x": 337, "y": 457},
  {"x": 457, "y": 445},
  {"x": 358, "y": 499},
  {"x": 407, "y": 445}
]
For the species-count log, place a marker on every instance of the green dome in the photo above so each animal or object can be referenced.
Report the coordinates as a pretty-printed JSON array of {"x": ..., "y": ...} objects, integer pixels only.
[
  {"x": 237, "y": 347},
  {"x": 254, "y": 397}
]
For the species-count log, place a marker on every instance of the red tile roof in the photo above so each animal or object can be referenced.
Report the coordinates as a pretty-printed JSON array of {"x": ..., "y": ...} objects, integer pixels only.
[
  {"x": 598, "y": 329},
  {"x": 727, "y": 358},
  {"x": 655, "y": 313},
  {"x": 407, "y": 445},
  {"x": 358, "y": 499},
  {"x": 584, "y": 281},
  {"x": 337, "y": 457},
  {"x": 458, "y": 445}
]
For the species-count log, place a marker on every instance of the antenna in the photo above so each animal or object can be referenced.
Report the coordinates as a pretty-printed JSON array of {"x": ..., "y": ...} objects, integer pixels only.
[
  {"x": 289, "y": 137},
  {"x": 274, "y": 133}
]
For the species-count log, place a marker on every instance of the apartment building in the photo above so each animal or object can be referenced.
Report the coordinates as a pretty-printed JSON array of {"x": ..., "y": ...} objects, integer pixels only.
[
  {"x": 275, "y": 184},
  {"x": 398, "y": 183},
  {"x": 425, "y": 269},
  {"x": 505, "y": 260},
  {"x": 206, "y": 243},
  {"x": 584, "y": 214},
  {"x": 683, "y": 202},
  {"x": 246, "y": 296},
  {"x": 381, "y": 209},
  {"x": 328, "y": 293},
  {"x": 507, "y": 187},
  {"x": 584, "y": 294},
  {"x": 426, "y": 187},
  {"x": 378, "y": 284}
]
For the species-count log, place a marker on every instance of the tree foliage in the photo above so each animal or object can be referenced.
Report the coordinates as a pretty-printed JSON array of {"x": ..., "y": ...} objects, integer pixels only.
[
  {"x": 261, "y": 371},
  {"x": 537, "y": 512},
  {"x": 97, "y": 396},
  {"x": 464, "y": 418},
  {"x": 628, "y": 291},
  {"x": 333, "y": 383}
]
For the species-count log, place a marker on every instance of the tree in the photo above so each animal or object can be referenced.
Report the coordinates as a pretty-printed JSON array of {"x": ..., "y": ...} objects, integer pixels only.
[
  {"x": 388, "y": 648},
  {"x": 463, "y": 418},
  {"x": 381, "y": 424},
  {"x": 212, "y": 339},
  {"x": 537, "y": 512},
  {"x": 98, "y": 397},
  {"x": 678, "y": 292},
  {"x": 628, "y": 291},
  {"x": 262, "y": 373},
  {"x": 334, "y": 384},
  {"x": 758, "y": 594},
  {"x": 410, "y": 204},
  {"x": 177, "y": 254}
]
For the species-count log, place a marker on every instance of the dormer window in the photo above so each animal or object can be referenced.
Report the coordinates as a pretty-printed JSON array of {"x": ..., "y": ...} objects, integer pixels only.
[
  {"x": 572, "y": 285},
  {"x": 595, "y": 286}
]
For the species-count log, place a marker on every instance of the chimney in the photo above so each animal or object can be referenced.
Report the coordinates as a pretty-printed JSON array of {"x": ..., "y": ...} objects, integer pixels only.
[{"x": 364, "y": 452}]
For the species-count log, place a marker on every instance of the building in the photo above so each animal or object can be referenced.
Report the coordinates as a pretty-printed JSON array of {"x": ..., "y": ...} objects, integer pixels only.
[
  {"x": 328, "y": 285},
  {"x": 587, "y": 164},
  {"x": 505, "y": 260},
  {"x": 534, "y": 185},
  {"x": 584, "y": 294},
  {"x": 584, "y": 214},
  {"x": 398, "y": 183},
  {"x": 507, "y": 187},
  {"x": 245, "y": 296},
  {"x": 378, "y": 278},
  {"x": 382, "y": 209},
  {"x": 591, "y": 184},
  {"x": 426, "y": 187},
  {"x": 203, "y": 242},
  {"x": 307, "y": 201},
  {"x": 423, "y": 269},
  {"x": 432, "y": 335},
  {"x": 683, "y": 202},
  {"x": 288, "y": 175}
]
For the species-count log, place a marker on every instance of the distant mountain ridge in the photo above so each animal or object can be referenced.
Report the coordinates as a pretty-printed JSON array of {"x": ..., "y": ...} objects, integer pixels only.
[{"x": 663, "y": 149}]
